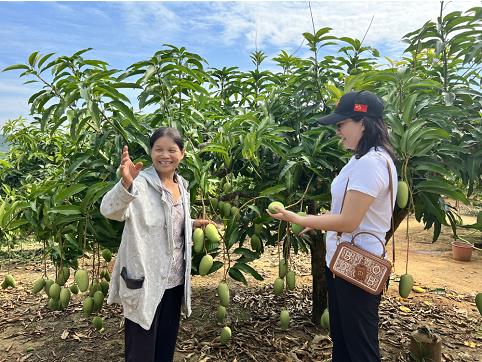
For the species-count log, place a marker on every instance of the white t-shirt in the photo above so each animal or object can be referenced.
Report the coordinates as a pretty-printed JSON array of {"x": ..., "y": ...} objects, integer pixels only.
[{"x": 369, "y": 175}]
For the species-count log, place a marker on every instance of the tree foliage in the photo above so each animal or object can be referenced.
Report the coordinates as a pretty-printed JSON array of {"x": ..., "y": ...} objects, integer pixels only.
[{"x": 255, "y": 130}]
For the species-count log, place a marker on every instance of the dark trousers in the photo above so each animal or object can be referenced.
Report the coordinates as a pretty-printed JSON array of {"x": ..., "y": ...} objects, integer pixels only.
[
  {"x": 353, "y": 321},
  {"x": 158, "y": 343}
]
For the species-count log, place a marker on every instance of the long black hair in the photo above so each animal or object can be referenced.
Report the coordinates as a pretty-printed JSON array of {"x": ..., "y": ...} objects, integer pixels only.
[{"x": 375, "y": 135}]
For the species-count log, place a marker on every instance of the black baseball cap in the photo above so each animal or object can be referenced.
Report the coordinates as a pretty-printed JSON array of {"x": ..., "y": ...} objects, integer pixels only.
[{"x": 351, "y": 104}]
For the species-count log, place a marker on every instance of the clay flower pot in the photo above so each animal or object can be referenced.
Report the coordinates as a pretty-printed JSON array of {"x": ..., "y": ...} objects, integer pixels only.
[{"x": 462, "y": 251}]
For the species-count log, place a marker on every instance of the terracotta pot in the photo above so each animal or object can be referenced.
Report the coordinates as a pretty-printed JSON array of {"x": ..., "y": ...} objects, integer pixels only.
[{"x": 462, "y": 251}]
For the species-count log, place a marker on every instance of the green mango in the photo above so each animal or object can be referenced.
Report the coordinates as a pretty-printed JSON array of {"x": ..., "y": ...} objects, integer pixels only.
[
  {"x": 325, "y": 319},
  {"x": 220, "y": 207},
  {"x": 62, "y": 276},
  {"x": 82, "y": 279},
  {"x": 234, "y": 211},
  {"x": 291, "y": 280},
  {"x": 271, "y": 207},
  {"x": 225, "y": 335},
  {"x": 405, "y": 286},
  {"x": 94, "y": 287},
  {"x": 98, "y": 300},
  {"x": 278, "y": 286},
  {"x": 9, "y": 281},
  {"x": 198, "y": 240},
  {"x": 227, "y": 188},
  {"x": 104, "y": 287},
  {"x": 107, "y": 255},
  {"x": 223, "y": 292},
  {"x": 64, "y": 297},
  {"x": 282, "y": 268},
  {"x": 107, "y": 275},
  {"x": 295, "y": 228},
  {"x": 98, "y": 323},
  {"x": 226, "y": 210},
  {"x": 214, "y": 203},
  {"x": 206, "y": 264},
  {"x": 212, "y": 233},
  {"x": 88, "y": 307},
  {"x": 258, "y": 228},
  {"x": 54, "y": 291},
  {"x": 48, "y": 284},
  {"x": 74, "y": 289},
  {"x": 478, "y": 302},
  {"x": 402, "y": 194},
  {"x": 221, "y": 314},
  {"x": 53, "y": 304},
  {"x": 255, "y": 242},
  {"x": 38, "y": 285},
  {"x": 284, "y": 319}
]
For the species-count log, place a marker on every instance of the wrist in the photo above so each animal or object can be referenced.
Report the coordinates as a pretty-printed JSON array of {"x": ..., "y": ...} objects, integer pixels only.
[
  {"x": 126, "y": 185},
  {"x": 297, "y": 219}
]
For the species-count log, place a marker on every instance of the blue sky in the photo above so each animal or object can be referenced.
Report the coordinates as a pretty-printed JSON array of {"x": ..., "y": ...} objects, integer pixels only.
[{"x": 224, "y": 33}]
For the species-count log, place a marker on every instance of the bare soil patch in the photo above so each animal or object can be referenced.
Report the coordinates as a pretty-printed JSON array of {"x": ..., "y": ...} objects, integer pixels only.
[{"x": 31, "y": 332}]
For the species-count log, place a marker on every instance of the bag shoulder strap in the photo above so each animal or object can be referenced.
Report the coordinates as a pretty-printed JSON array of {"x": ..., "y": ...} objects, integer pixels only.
[{"x": 342, "y": 203}]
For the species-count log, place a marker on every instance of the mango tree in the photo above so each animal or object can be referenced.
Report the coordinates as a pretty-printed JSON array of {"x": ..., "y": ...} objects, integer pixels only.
[{"x": 252, "y": 138}]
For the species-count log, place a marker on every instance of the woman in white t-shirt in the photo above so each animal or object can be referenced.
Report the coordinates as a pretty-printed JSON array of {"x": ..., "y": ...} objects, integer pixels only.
[{"x": 367, "y": 207}]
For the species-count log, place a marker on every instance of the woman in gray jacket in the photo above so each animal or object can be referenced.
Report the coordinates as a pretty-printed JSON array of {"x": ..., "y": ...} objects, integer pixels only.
[{"x": 152, "y": 272}]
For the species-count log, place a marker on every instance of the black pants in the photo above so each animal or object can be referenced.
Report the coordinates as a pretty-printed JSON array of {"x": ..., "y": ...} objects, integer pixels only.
[
  {"x": 158, "y": 343},
  {"x": 353, "y": 321}
]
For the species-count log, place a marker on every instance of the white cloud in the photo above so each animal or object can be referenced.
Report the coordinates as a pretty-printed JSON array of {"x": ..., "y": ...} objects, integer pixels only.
[
  {"x": 149, "y": 21},
  {"x": 126, "y": 32},
  {"x": 281, "y": 24},
  {"x": 12, "y": 107}
]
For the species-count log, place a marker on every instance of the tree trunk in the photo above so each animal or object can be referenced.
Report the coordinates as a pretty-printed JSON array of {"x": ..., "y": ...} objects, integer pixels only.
[
  {"x": 319, "y": 293},
  {"x": 398, "y": 216}
]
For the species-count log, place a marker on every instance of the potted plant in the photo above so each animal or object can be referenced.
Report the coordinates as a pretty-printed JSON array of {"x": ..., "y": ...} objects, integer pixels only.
[{"x": 462, "y": 248}]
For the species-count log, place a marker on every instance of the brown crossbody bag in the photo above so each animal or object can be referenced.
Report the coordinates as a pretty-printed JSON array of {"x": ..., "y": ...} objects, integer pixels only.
[{"x": 358, "y": 266}]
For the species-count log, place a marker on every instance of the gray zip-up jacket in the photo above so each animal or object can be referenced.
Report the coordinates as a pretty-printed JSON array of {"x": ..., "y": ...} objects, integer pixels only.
[{"x": 146, "y": 247}]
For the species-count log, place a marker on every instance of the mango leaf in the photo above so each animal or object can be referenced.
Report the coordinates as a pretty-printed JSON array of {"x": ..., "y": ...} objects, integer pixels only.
[
  {"x": 44, "y": 59},
  {"x": 16, "y": 224},
  {"x": 65, "y": 193},
  {"x": 216, "y": 266},
  {"x": 94, "y": 193},
  {"x": 409, "y": 107},
  {"x": 255, "y": 209},
  {"x": 15, "y": 67},
  {"x": 126, "y": 111},
  {"x": 247, "y": 253},
  {"x": 237, "y": 275},
  {"x": 216, "y": 148},
  {"x": 273, "y": 190},
  {"x": 442, "y": 187},
  {"x": 248, "y": 269},
  {"x": 65, "y": 210}
]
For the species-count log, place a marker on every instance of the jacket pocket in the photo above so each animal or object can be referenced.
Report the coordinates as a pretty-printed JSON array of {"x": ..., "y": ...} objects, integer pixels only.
[{"x": 130, "y": 289}]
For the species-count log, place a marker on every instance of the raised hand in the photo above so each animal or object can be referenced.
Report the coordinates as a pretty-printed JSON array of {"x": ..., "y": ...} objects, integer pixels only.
[{"x": 128, "y": 170}]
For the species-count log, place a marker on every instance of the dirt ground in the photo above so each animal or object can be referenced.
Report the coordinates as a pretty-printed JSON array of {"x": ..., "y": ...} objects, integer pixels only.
[{"x": 31, "y": 332}]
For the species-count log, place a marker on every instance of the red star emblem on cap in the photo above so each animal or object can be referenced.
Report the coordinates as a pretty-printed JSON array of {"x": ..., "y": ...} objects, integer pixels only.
[{"x": 360, "y": 108}]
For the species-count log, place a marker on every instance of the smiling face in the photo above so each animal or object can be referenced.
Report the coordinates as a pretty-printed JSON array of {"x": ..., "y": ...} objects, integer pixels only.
[
  {"x": 350, "y": 133},
  {"x": 166, "y": 156}
]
